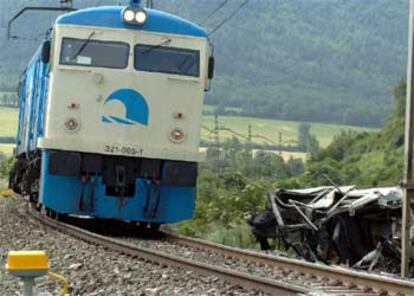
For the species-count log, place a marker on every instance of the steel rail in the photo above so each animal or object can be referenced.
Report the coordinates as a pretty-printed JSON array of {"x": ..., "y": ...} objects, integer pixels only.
[
  {"x": 393, "y": 286},
  {"x": 239, "y": 278}
]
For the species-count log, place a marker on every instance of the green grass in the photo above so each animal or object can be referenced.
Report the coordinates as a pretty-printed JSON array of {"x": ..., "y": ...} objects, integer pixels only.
[
  {"x": 265, "y": 127},
  {"x": 209, "y": 108},
  {"x": 8, "y": 121},
  {"x": 2, "y": 93},
  {"x": 7, "y": 149}
]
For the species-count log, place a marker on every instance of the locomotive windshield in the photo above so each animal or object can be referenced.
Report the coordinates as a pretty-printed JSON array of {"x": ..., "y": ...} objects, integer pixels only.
[
  {"x": 167, "y": 60},
  {"x": 93, "y": 53}
]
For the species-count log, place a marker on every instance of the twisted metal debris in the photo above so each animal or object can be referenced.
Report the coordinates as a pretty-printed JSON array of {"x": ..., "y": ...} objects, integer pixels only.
[{"x": 360, "y": 228}]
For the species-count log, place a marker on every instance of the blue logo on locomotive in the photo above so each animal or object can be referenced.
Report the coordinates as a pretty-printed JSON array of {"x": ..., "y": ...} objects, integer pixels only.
[{"x": 126, "y": 106}]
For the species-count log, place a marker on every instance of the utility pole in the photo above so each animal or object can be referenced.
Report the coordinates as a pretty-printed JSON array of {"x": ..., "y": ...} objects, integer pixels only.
[
  {"x": 408, "y": 185},
  {"x": 249, "y": 136},
  {"x": 280, "y": 143},
  {"x": 216, "y": 130},
  {"x": 217, "y": 135},
  {"x": 249, "y": 140}
]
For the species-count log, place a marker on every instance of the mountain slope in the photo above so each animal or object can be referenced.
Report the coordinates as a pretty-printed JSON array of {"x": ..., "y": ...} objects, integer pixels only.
[
  {"x": 366, "y": 159},
  {"x": 308, "y": 60}
]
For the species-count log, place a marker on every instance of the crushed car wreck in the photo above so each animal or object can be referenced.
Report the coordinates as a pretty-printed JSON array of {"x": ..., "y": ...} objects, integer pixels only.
[{"x": 335, "y": 225}]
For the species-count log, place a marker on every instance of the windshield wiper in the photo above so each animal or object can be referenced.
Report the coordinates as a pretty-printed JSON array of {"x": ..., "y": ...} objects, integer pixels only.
[
  {"x": 151, "y": 48},
  {"x": 75, "y": 56}
]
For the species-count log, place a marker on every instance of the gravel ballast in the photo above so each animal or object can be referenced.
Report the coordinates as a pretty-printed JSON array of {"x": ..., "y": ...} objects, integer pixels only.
[
  {"x": 92, "y": 270},
  {"x": 232, "y": 263},
  {"x": 209, "y": 257}
]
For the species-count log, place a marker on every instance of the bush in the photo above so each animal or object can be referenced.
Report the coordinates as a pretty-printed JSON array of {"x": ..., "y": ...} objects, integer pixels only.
[{"x": 5, "y": 166}]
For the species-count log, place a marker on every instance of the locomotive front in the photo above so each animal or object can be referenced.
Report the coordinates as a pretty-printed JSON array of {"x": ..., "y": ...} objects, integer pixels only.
[{"x": 123, "y": 115}]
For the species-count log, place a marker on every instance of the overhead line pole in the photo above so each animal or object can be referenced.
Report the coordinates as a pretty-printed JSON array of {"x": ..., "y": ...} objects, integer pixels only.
[
  {"x": 217, "y": 130},
  {"x": 280, "y": 143},
  {"x": 408, "y": 185}
]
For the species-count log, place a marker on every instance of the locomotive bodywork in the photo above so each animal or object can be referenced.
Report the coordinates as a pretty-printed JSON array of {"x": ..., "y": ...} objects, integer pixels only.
[{"x": 110, "y": 126}]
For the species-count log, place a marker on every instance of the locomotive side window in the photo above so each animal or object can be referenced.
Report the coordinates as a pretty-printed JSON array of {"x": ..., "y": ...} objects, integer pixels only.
[
  {"x": 93, "y": 53},
  {"x": 153, "y": 58}
]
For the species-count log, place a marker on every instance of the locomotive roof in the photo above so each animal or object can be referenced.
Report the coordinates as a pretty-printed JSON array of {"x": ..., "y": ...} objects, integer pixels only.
[{"x": 111, "y": 16}]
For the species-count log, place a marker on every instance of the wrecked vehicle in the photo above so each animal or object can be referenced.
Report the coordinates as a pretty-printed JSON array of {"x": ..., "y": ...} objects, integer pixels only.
[{"x": 336, "y": 225}]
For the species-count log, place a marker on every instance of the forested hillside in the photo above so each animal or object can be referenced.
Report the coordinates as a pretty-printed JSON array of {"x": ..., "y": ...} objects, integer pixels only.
[
  {"x": 364, "y": 159},
  {"x": 308, "y": 60}
]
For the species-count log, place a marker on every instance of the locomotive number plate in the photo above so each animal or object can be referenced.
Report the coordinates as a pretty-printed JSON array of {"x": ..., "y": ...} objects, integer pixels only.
[{"x": 120, "y": 149}]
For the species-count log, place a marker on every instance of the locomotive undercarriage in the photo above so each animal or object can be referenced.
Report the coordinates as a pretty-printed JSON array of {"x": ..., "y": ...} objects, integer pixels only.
[
  {"x": 24, "y": 177},
  {"x": 118, "y": 174}
]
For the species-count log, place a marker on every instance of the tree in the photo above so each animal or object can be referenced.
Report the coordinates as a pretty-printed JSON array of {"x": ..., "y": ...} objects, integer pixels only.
[
  {"x": 5, "y": 165},
  {"x": 399, "y": 93},
  {"x": 313, "y": 146},
  {"x": 296, "y": 166},
  {"x": 306, "y": 141},
  {"x": 303, "y": 136}
]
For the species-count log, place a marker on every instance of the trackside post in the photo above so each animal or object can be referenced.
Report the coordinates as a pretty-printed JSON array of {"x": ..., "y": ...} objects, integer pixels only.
[{"x": 408, "y": 185}]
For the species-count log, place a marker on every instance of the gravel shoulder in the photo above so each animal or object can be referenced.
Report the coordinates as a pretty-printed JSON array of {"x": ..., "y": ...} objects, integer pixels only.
[{"x": 93, "y": 270}]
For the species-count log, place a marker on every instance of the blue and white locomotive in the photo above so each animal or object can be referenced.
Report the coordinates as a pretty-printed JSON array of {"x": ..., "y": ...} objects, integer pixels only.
[{"x": 110, "y": 115}]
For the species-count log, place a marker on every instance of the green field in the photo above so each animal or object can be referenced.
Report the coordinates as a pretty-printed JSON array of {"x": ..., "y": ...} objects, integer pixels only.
[
  {"x": 270, "y": 129},
  {"x": 7, "y": 93},
  {"x": 211, "y": 108},
  {"x": 263, "y": 127},
  {"x": 7, "y": 148},
  {"x": 8, "y": 121}
]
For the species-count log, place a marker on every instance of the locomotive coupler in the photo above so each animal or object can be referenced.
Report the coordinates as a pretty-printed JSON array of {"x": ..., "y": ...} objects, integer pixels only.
[{"x": 120, "y": 181}]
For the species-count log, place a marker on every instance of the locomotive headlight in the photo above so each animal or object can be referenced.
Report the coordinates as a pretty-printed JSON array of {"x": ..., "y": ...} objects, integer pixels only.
[
  {"x": 140, "y": 17},
  {"x": 72, "y": 125},
  {"x": 129, "y": 15},
  {"x": 134, "y": 16},
  {"x": 177, "y": 135}
]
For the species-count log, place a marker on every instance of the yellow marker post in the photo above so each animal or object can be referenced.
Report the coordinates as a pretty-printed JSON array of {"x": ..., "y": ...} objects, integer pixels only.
[{"x": 27, "y": 265}]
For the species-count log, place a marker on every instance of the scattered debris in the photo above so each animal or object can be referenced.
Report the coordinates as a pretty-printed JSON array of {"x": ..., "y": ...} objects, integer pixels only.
[{"x": 360, "y": 228}]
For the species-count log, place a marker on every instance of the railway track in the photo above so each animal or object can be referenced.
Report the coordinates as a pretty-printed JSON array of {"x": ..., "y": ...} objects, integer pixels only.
[
  {"x": 369, "y": 284},
  {"x": 272, "y": 274}
]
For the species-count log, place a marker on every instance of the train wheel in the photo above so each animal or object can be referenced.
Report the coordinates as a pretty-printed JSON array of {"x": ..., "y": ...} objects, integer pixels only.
[
  {"x": 142, "y": 225},
  {"x": 35, "y": 206},
  {"x": 50, "y": 213},
  {"x": 155, "y": 226},
  {"x": 59, "y": 216},
  {"x": 43, "y": 210}
]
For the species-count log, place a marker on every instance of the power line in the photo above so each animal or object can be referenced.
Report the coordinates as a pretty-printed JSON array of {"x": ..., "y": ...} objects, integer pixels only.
[
  {"x": 215, "y": 11},
  {"x": 228, "y": 18}
]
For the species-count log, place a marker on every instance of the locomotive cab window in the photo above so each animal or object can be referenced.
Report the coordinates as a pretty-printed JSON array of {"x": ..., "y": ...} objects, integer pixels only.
[
  {"x": 94, "y": 53},
  {"x": 171, "y": 60}
]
